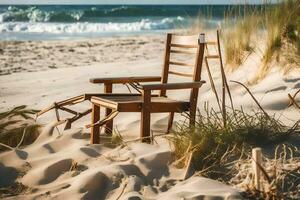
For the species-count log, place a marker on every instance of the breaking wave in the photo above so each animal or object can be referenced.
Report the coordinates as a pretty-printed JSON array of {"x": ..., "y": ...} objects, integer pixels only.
[
  {"x": 89, "y": 27},
  {"x": 77, "y": 13}
]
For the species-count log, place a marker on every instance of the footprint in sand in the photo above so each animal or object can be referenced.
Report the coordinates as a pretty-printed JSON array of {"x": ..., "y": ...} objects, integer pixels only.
[
  {"x": 90, "y": 152},
  {"x": 53, "y": 171},
  {"x": 297, "y": 85},
  {"x": 95, "y": 187},
  {"x": 8, "y": 175}
]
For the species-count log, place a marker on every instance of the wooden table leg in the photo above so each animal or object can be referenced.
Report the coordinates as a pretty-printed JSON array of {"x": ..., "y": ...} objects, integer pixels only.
[
  {"x": 109, "y": 125},
  {"x": 95, "y": 130},
  {"x": 146, "y": 116}
]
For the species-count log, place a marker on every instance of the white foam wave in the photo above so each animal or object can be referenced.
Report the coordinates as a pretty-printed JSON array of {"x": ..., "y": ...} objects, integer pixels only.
[
  {"x": 33, "y": 14},
  {"x": 85, "y": 27}
]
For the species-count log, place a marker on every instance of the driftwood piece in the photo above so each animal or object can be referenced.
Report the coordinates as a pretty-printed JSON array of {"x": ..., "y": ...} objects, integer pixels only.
[{"x": 256, "y": 164}]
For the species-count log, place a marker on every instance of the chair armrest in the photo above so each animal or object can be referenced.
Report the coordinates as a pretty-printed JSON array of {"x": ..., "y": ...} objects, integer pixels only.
[
  {"x": 120, "y": 80},
  {"x": 172, "y": 86}
]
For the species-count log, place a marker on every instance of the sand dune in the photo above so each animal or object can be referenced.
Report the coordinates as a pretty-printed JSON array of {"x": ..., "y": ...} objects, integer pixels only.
[{"x": 65, "y": 166}]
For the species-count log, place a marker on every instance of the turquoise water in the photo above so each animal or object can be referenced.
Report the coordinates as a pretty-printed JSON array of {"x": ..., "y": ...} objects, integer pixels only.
[{"x": 81, "y": 21}]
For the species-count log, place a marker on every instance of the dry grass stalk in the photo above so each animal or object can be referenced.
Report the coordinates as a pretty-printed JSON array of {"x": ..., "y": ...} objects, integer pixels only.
[
  {"x": 282, "y": 171},
  {"x": 282, "y": 27},
  {"x": 252, "y": 96},
  {"x": 238, "y": 39}
]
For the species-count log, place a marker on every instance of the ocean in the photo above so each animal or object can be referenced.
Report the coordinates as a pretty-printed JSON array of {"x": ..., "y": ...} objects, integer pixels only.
[{"x": 40, "y": 22}]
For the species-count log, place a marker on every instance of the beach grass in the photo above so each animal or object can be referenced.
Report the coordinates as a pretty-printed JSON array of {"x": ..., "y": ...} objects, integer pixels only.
[
  {"x": 223, "y": 153},
  {"x": 271, "y": 31},
  {"x": 242, "y": 129},
  {"x": 17, "y": 126},
  {"x": 281, "y": 24},
  {"x": 238, "y": 36}
]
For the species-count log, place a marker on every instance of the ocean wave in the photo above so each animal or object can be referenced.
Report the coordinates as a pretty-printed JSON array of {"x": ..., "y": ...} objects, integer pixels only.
[
  {"x": 34, "y": 14},
  {"x": 86, "y": 27},
  {"x": 81, "y": 13}
]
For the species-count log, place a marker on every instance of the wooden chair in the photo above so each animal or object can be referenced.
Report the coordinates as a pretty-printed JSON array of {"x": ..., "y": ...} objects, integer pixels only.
[{"x": 147, "y": 103}]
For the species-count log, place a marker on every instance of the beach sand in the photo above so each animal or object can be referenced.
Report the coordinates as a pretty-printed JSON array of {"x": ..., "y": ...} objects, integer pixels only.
[{"x": 38, "y": 73}]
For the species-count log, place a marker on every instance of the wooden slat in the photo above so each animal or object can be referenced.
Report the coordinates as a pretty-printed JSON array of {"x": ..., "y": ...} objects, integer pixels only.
[
  {"x": 126, "y": 79},
  {"x": 105, "y": 103},
  {"x": 156, "y": 107},
  {"x": 184, "y": 46},
  {"x": 181, "y": 64},
  {"x": 68, "y": 110},
  {"x": 180, "y": 74},
  {"x": 113, "y": 99},
  {"x": 134, "y": 104},
  {"x": 69, "y": 101},
  {"x": 113, "y": 95},
  {"x": 173, "y": 86},
  {"x": 212, "y": 56},
  {"x": 182, "y": 52}
]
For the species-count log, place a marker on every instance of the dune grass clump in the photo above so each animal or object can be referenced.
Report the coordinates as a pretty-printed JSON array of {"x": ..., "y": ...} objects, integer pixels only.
[
  {"x": 216, "y": 147},
  {"x": 270, "y": 30},
  {"x": 238, "y": 39},
  {"x": 282, "y": 27},
  {"x": 13, "y": 124},
  {"x": 223, "y": 152},
  {"x": 280, "y": 177}
]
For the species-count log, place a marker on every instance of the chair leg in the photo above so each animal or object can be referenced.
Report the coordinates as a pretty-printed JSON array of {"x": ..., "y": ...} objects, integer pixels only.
[
  {"x": 109, "y": 125},
  {"x": 145, "y": 126},
  {"x": 95, "y": 130},
  {"x": 170, "y": 122},
  {"x": 192, "y": 117},
  {"x": 68, "y": 125},
  {"x": 146, "y": 116}
]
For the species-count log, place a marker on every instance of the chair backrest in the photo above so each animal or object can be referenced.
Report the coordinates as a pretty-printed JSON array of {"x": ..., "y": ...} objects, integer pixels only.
[{"x": 193, "y": 45}]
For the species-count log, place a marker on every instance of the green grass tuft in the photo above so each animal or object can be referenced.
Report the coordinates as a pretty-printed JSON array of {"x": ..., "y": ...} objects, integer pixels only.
[
  {"x": 13, "y": 123},
  {"x": 214, "y": 145},
  {"x": 238, "y": 40},
  {"x": 271, "y": 30}
]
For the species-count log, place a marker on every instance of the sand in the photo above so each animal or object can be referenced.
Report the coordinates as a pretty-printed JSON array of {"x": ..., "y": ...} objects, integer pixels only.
[
  {"x": 136, "y": 170},
  {"x": 32, "y": 56},
  {"x": 63, "y": 165}
]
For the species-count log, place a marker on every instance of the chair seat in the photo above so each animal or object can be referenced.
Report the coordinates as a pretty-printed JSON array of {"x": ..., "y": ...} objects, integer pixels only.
[{"x": 133, "y": 103}]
